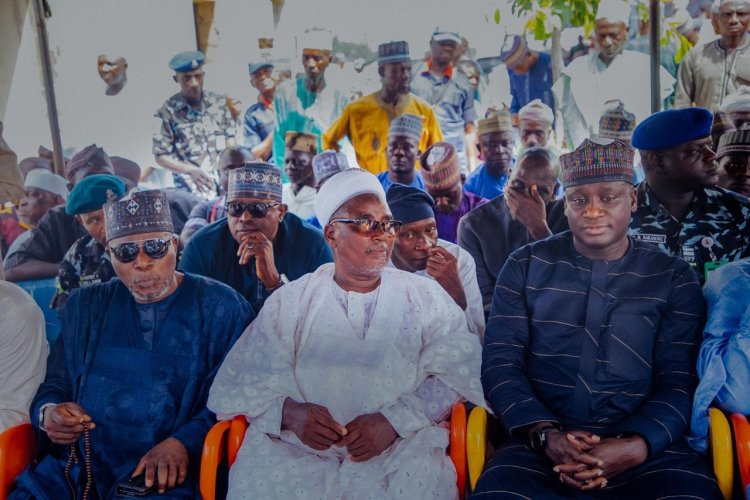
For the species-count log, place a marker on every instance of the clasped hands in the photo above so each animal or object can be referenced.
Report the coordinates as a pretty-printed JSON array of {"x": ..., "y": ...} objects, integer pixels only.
[
  {"x": 365, "y": 437},
  {"x": 585, "y": 461}
]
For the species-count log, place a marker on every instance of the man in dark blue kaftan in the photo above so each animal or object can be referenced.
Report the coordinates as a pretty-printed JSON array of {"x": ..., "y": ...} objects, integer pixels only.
[
  {"x": 589, "y": 355},
  {"x": 135, "y": 360}
]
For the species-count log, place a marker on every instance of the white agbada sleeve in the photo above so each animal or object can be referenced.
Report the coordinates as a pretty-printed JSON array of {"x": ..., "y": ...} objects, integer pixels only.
[{"x": 257, "y": 375}]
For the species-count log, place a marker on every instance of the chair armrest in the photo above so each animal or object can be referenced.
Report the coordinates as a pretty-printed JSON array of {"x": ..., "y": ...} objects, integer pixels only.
[
  {"x": 720, "y": 440},
  {"x": 742, "y": 443},
  {"x": 458, "y": 446},
  {"x": 214, "y": 450},
  {"x": 237, "y": 430},
  {"x": 476, "y": 444},
  {"x": 17, "y": 448}
]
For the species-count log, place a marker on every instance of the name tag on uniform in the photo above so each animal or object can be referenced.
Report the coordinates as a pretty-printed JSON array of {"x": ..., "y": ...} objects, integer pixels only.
[
  {"x": 651, "y": 238},
  {"x": 688, "y": 254}
]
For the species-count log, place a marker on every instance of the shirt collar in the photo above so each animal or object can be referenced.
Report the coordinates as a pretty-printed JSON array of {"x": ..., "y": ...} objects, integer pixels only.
[{"x": 448, "y": 73}]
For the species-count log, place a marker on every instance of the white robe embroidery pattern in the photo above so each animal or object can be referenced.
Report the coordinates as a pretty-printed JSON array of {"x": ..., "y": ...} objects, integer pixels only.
[{"x": 415, "y": 360}]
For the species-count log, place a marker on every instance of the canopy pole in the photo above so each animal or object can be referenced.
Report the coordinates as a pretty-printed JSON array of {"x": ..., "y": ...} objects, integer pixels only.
[
  {"x": 41, "y": 12},
  {"x": 655, "y": 44}
]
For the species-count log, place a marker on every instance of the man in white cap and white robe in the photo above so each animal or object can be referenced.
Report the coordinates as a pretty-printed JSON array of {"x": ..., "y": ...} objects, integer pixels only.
[
  {"x": 343, "y": 391},
  {"x": 607, "y": 72}
]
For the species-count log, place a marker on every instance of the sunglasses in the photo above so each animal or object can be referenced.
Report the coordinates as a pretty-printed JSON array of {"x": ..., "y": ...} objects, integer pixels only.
[
  {"x": 369, "y": 227},
  {"x": 257, "y": 210},
  {"x": 128, "y": 251}
]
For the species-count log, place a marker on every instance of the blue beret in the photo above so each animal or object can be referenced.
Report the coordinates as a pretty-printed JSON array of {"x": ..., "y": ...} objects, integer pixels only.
[
  {"x": 253, "y": 68},
  {"x": 409, "y": 204},
  {"x": 93, "y": 192},
  {"x": 668, "y": 129},
  {"x": 187, "y": 61}
]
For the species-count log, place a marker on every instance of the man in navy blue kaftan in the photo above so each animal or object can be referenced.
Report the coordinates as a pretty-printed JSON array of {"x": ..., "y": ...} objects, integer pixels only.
[
  {"x": 134, "y": 361},
  {"x": 589, "y": 354}
]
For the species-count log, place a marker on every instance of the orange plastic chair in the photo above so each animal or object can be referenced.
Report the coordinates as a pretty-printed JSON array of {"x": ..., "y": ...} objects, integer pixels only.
[
  {"x": 225, "y": 439},
  {"x": 17, "y": 448},
  {"x": 742, "y": 442},
  {"x": 458, "y": 446}
]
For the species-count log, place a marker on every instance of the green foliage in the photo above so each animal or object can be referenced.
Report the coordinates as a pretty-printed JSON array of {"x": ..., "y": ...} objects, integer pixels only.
[{"x": 546, "y": 15}]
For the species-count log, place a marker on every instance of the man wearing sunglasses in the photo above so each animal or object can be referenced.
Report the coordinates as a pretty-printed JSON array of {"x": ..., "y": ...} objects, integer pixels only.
[
  {"x": 259, "y": 246},
  {"x": 347, "y": 370},
  {"x": 418, "y": 250},
  {"x": 134, "y": 363}
]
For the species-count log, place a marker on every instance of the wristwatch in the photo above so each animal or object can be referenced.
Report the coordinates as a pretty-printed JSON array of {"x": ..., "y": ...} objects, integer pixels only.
[
  {"x": 538, "y": 438},
  {"x": 283, "y": 280}
]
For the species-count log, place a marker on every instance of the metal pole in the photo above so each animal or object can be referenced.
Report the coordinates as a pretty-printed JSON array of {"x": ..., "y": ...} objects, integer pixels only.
[
  {"x": 49, "y": 86},
  {"x": 655, "y": 55}
]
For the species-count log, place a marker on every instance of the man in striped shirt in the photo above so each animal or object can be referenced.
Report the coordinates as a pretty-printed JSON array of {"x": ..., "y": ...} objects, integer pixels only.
[{"x": 590, "y": 349}]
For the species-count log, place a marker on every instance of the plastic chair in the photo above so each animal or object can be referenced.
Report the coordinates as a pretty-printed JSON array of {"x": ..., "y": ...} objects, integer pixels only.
[
  {"x": 42, "y": 292},
  {"x": 722, "y": 451},
  {"x": 225, "y": 438},
  {"x": 476, "y": 444},
  {"x": 17, "y": 448},
  {"x": 742, "y": 441}
]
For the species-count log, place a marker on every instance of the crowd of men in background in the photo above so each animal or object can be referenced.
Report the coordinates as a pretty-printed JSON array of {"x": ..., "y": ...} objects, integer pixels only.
[{"x": 557, "y": 223}]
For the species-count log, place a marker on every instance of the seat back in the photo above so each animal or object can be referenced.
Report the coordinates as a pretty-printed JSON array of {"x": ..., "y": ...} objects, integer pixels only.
[
  {"x": 17, "y": 448},
  {"x": 742, "y": 443}
]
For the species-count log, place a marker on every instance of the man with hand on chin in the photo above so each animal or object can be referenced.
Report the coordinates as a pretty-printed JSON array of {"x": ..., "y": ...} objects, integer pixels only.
[
  {"x": 418, "y": 250},
  {"x": 590, "y": 352},
  {"x": 259, "y": 246}
]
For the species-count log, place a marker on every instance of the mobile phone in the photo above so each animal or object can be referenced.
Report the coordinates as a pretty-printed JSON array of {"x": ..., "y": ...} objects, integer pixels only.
[{"x": 134, "y": 487}]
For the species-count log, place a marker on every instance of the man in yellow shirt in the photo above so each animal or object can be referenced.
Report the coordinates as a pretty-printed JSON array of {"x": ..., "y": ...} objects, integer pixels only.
[{"x": 366, "y": 121}]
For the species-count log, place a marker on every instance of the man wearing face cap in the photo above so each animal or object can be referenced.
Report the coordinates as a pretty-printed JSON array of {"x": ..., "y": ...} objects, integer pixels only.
[
  {"x": 680, "y": 207},
  {"x": 419, "y": 250},
  {"x": 368, "y": 122},
  {"x": 259, "y": 118},
  {"x": 260, "y": 246},
  {"x": 607, "y": 72},
  {"x": 128, "y": 377},
  {"x": 325, "y": 165},
  {"x": 307, "y": 104},
  {"x": 348, "y": 370},
  {"x": 39, "y": 257},
  {"x": 441, "y": 171},
  {"x": 590, "y": 353},
  {"x": 495, "y": 135},
  {"x": 194, "y": 127}
]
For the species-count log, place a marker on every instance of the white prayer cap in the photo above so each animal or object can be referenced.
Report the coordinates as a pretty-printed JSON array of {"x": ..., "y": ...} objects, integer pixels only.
[
  {"x": 536, "y": 110},
  {"x": 41, "y": 178},
  {"x": 615, "y": 11},
  {"x": 739, "y": 101},
  {"x": 717, "y": 3},
  {"x": 341, "y": 188},
  {"x": 408, "y": 125},
  {"x": 317, "y": 39}
]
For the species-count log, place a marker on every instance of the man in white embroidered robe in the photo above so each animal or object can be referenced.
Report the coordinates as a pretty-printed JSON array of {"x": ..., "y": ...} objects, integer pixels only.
[{"x": 347, "y": 370}]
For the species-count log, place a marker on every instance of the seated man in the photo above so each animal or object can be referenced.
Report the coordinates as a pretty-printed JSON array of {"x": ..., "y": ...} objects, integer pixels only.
[
  {"x": 346, "y": 370},
  {"x": 589, "y": 358},
  {"x": 525, "y": 213},
  {"x": 39, "y": 257},
  {"x": 724, "y": 357},
  {"x": 680, "y": 208},
  {"x": 299, "y": 193},
  {"x": 23, "y": 353},
  {"x": 418, "y": 250},
  {"x": 44, "y": 191},
  {"x": 209, "y": 211},
  {"x": 535, "y": 125},
  {"x": 86, "y": 262},
  {"x": 495, "y": 136},
  {"x": 441, "y": 171},
  {"x": 259, "y": 246},
  {"x": 128, "y": 378},
  {"x": 734, "y": 159},
  {"x": 402, "y": 152},
  {"x": 325, "y": 165}
]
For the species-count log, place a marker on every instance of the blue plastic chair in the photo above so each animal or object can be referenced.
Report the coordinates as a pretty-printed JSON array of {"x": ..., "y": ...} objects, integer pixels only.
[{"x": 42, "y": 292}]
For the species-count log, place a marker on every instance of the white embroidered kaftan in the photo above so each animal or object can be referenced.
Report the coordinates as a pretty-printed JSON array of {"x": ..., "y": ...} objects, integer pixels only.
[{"x": 403, "y": 350}]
